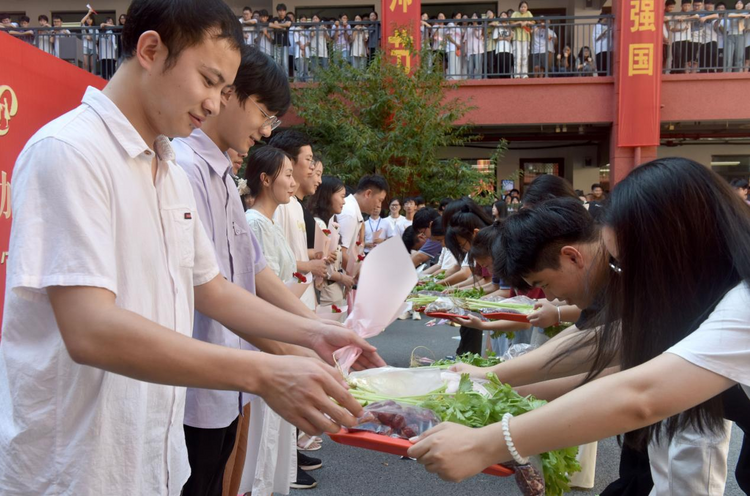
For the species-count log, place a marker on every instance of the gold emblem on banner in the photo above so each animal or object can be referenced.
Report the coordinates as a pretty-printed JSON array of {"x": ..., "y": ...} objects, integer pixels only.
[{"x": 8, "y": 108}]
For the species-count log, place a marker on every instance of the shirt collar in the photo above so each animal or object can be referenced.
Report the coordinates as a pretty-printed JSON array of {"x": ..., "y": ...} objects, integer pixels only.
[
  {"x": 208, "y": 151},
  {"x": 118, "y": 124}
]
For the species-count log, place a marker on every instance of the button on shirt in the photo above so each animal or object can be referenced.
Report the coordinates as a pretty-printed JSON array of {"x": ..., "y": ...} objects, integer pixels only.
[
  {"x": 239, "y": 257},
  {"x": 87, "y": 212}
]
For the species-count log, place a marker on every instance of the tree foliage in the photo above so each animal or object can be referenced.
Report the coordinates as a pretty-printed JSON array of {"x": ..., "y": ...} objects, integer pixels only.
[{"x": 383, "y": 120}]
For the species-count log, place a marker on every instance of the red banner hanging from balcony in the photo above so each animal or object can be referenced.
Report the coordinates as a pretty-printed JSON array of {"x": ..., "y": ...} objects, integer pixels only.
[
  {"x": 640, "y": 67},
  {"x": 35, "y": 87},
  {"x": 400, "y": 22}
]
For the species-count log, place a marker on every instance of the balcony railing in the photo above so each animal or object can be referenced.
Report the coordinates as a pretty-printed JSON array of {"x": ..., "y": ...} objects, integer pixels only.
[
  {"x": 706, "y": 42},
  {"x": 467, "y": 48}
]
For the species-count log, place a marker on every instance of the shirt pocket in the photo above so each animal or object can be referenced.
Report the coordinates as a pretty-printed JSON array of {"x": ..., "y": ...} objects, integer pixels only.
[
  {"x": 180, "y": 223},
  {"x": 243, "y": 252}
]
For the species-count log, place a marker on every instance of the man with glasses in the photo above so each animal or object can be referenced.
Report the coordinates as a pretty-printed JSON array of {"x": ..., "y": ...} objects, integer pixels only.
[{"x": 212, "y": 417}]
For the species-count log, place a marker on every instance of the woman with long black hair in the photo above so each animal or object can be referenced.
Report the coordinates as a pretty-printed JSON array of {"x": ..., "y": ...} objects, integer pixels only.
[{"x": 676, "y": 321}]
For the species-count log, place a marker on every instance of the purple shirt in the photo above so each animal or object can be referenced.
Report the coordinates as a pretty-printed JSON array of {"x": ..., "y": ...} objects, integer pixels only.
[
  {"x": 432, "y": 248},
  {"x": 238, "y": 255}
]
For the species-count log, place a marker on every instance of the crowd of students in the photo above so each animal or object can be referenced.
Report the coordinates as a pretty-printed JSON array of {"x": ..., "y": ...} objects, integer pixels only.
[
  {"x": 703, "y": 37},
  {"x": 148, "y": 275}
]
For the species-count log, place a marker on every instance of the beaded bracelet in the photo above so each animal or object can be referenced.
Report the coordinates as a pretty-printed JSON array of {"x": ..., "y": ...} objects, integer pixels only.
[{"x": 509, "y": 442}]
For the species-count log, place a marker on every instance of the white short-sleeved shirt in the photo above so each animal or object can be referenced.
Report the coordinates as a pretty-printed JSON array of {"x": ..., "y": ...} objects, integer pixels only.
[
  {"x": 399, "y": 225},
  {"x": 446, "y": 260},
  {"x": 722, "y": 342},
  {"x": 275, "y": 247},
  {"x": 601, "y": 45},
  {"x": 374, "y": 225},
  {"x": 291, "y": 219},
  {"x": 88, "y": 213},
  {"x": 350, "y": 221}
]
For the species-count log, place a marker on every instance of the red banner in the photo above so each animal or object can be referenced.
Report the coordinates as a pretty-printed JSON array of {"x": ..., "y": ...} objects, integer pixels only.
[
  {"x": 401, "y": 21},
  {"x": 640, "y": 47},
  {"x": 35, "y": 87}
]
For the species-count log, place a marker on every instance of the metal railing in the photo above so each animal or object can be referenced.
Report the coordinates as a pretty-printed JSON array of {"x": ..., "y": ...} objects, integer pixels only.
[
  {"x": 706, "y": 42},
  {"x": 536, "y": 47},
  {"x": 92, "y": 48}
]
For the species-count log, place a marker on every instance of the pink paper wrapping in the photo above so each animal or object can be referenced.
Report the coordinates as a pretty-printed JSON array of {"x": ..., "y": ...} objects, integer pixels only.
[{"x": 387, "y": 276}]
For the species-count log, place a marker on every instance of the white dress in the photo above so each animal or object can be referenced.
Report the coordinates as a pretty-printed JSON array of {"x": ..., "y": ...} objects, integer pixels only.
[{"x": 271, "y": 461}]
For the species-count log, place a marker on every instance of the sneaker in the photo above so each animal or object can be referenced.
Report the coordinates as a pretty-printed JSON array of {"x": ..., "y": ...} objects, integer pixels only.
[
  {"x": 416, "y": 316},
  {"x": 304, "y": 480},
  {"x": 404, "y": 315},
  {"x": 307, "y": 462}
]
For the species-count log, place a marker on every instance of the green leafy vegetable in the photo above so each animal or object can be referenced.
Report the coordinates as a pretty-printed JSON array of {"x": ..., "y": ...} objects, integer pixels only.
[{"x": 471, "y": 358}]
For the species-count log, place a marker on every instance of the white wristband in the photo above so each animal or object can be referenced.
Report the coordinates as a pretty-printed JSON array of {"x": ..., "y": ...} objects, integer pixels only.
[{"x": 509, "y": 441}]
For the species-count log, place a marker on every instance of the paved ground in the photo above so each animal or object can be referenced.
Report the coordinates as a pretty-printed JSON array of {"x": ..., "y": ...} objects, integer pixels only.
[{"x": 349, "y": 471}]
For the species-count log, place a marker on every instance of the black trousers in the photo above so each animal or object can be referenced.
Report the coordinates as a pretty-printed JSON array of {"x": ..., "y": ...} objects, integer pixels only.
[
  {"x": 602, "y": 63},
  {"x": 471, "y": 341},
  {"x": 208, "y": 452},
  {"x": 635, "y": 470}
]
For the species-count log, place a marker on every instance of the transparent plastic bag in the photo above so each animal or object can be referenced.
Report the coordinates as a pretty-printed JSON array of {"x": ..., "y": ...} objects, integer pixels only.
[
  {"x": 530, "y": 477},
  {"x": 517, "y": 350},
  {"x": 516, "y": 300},
  {"x": 395, "y": 420},
  {"x": 445, "y": 305},
  {"x": 395, "y": 382}
]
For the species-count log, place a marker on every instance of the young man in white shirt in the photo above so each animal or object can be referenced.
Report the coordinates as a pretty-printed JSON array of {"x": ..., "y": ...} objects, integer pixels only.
[
  {"x": 370, "y": 194},
  {"x": 377, "y": 225},
  {"x": 290, "y": 216},
  {"x": 249, "y": 113},
  {"x": 104, "y": 279}
]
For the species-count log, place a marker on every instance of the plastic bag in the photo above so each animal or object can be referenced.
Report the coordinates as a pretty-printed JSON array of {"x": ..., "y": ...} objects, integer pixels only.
[
  {"x": 395, "y": 420},
  {"x": 516, "y": 300},
  {"x": 517, "y": 350},
  {"x": 445, "y": 304},
  {"x": 395, "y": 382},
  {"x": 529, "y": 477}
]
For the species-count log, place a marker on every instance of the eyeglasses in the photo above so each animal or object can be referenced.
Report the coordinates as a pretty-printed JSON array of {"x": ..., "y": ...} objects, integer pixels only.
[
  {"x": 271, "y": 120},
  {"x": 615, "y": 265}
]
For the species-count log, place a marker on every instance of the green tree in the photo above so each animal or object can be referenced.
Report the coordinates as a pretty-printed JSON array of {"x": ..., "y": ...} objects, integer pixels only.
[{"x": 383, "y": 120}]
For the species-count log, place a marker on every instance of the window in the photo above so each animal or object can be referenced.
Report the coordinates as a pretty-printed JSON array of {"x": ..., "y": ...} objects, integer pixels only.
[
  {"x": 731, "y": 166},
  {"x": 531, "y": 168}
]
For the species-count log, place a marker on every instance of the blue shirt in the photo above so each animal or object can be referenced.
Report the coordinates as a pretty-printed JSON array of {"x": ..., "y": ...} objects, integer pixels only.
[{"x": 239, "y": 258}]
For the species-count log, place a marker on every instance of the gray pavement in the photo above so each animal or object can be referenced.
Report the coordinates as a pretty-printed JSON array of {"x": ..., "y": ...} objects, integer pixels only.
[{"x": 353, "y": 471}]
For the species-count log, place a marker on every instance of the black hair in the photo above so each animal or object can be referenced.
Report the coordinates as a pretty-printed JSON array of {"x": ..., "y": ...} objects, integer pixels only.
[
  {"x": 423, "y": 218},
  {"x": 246, "y": 8},
  {"x": 739, "y": 183},
  {"x": 546, "y": 187},
  {"x": 181, "y": 24},
  {"x": 523, "y": 2},
  {"x": 579, "y": 192},
  {"x": 291, "y": 141},
  {"x": 320, "y": 203},
  {"x": 682, "y": 235},
  {"x": 436, "y": 228},
  {"x": 409, "y": 199},
  {"x": 514, "y": 189},
  {"x": 409, "y": 238},
  {"x": 721, "y": 4},
  {"x": 119, "y": 19},
  {"x": 419, "y": 200},
  {"x": 464, "y": 205},
  {"x": 444, "y": 203},
  {"x": 531, "y": 239},
  {"x": 263, "y": 13},
  {"x": 462, "y": 224},
  {"x": 595, "y": 185},
  {"x": 374, "y": 182},
  {"x": 395, "y": 198},
  {"x": 502, "y": 209},
  {"x": 24, "y": 18},
  {"x": 481, "y": 245},
  {"x": 92, "y": 18},
  {"x": 670, "y": 2},
  {"x": 260, "y": 76},
  {"x": 56, "y": 16},
  {"x": 268, "y": 160},
  {"x": 686, "y": 2},
  {"x": 42, "y": 18},
  {"x": 281, "y": 6}
]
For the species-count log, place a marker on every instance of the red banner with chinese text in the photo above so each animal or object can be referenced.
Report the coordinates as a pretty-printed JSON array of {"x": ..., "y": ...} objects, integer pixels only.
[
  {"x": 640, "y": 46},
  {"x": 401, "y": 20},
  {"x": 35, "y": 87}
]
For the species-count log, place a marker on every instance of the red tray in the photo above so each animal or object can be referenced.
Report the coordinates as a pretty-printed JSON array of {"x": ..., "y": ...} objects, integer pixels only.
[
  {"x": 395, "y": 446},
  {"x": 444, "y": 315},
  {"x": 515, "y": 317}
]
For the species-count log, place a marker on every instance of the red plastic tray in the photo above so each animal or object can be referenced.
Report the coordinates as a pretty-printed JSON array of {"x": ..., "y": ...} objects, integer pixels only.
[
  {"x": 443, "y": 315},
  {"x": 515, "y": 317},
  {"x": 395, "y": 446}
]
